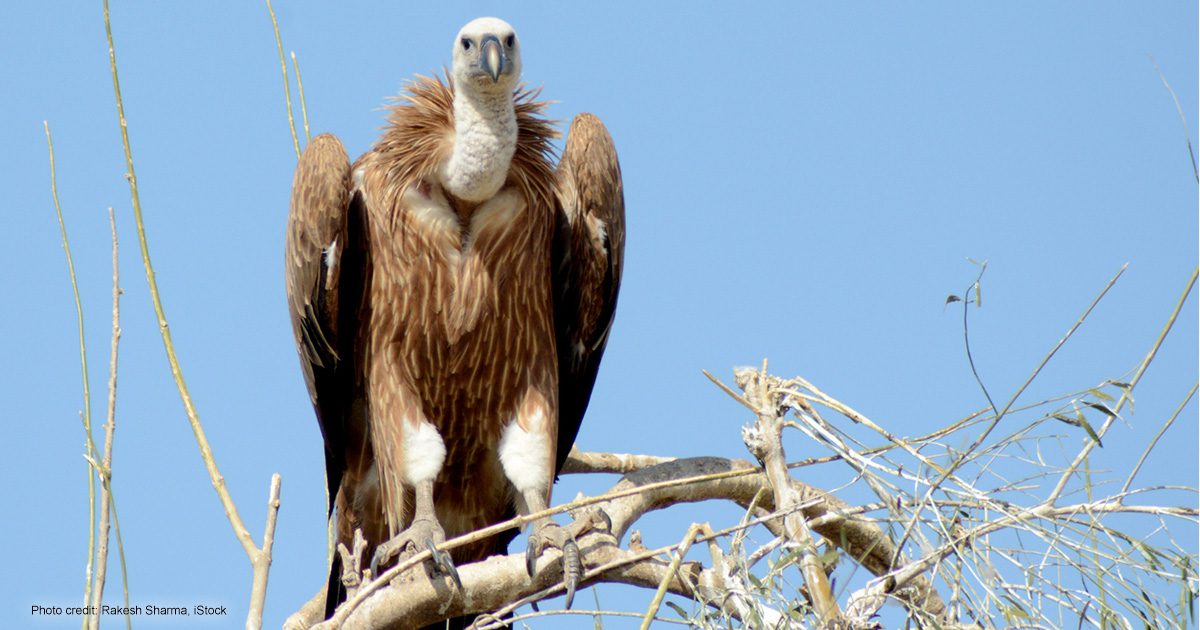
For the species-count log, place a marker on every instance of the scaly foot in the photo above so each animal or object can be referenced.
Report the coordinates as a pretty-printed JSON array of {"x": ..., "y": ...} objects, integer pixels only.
[
  {"x": 550, "y": 534},
  {"x": 423, "y": 533}
]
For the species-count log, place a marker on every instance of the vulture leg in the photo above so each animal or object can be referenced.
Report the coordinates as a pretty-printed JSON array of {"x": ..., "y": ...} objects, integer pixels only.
[{"x": 424, "y": 532}]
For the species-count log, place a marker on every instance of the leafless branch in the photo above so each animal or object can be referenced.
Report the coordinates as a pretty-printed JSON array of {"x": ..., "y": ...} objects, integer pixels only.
[
  {"x": 764, "y": 439},
  {"x": 262, "y": 559},
  {"x": 620, "y": 463},
  {"x": 413, "y": 598},
  {"x": 104, "y": 470}
]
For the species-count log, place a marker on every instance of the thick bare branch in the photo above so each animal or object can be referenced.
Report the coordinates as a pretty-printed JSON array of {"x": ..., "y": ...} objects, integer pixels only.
[
  {"x": 414, "y": 598},
  {"x": 764, "y": 439}
]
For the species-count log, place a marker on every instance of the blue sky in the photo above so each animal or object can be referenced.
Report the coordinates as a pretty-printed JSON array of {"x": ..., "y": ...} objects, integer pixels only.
[{"x": 804, "y": 182}]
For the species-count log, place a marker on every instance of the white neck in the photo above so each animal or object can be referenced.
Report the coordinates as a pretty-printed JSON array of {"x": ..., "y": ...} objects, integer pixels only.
[{"x": 485, "y": 137}]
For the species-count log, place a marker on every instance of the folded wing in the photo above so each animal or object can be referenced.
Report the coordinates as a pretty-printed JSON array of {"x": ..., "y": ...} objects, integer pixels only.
[
  {"x": 588, "y": 255},
  {"x": 325, "y": 272}
]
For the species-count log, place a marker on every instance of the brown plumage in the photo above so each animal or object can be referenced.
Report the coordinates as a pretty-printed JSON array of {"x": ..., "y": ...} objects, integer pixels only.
[
  {"x": 412, "y": 306},
  {"x": 468, "y": 335}
]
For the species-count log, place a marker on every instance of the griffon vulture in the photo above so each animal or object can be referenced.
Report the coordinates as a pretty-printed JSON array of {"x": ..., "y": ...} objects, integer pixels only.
[{"x": 451, "y": 294}]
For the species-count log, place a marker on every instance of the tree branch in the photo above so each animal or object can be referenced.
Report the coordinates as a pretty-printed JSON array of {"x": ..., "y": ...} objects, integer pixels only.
[
  {"x": 764, "y": 439},
  {"x": 104, "y": 469},
  {"x": 262, "y": 559},
  {"x": 500, "y": 582}
]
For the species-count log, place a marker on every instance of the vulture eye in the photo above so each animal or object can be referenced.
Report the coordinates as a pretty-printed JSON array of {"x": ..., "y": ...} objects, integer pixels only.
[
  {"x": 510, "y": 40},
  {"x": 466, "y": 43}
]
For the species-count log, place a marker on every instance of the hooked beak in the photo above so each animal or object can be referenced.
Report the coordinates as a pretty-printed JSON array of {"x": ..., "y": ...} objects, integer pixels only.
[{"x": 492, "y": 57}]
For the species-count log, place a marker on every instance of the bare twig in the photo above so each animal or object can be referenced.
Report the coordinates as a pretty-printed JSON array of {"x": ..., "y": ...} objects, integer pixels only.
[
  {"x": 86, "y": 416},
  {"x": 112, "y": 505},
  {"x": 763, "y": 438},
  {"x": 962, "y": 458},
  {"x": 287, "y": 88},
  {"x": 1187, "y": 134},
  {"x": 262, "y": 559},
  {"x": 680, "y": 552},
  {"x": 299, "y": 88},
  {"x": 966, "y": 300},
  {"x": 218, "y": 481},
  {"x": 1137, "y": 377},
  {"x": 1153, "y": 442},
  {"x": 1038, "y": 370},
  {"x": 105, "y": 469},
  {"x": 904, "y": 574}
]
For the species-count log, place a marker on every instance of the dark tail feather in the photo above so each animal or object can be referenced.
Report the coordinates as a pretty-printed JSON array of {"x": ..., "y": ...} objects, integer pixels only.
[
  {"x": 458, "y": 623},
  {"x": 335, "y": 591}
]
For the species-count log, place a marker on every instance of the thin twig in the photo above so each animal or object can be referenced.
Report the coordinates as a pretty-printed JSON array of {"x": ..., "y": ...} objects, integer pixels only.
[
  {"x": 1038, "y": 370},
  {"x": 87, "y": 395},
  {"x": 287, "y": 88},
  {"x": 112, "y": 505},
  {"x": 1150, "y": 447},
  {"x": 105, "y": 469},
  {"x": 1137, "y": 377},
  {"x": 300, "y": 88},
  {"x": 1187, "y": 134},
  {"x": 680, "y": 552},
  {"x": 966, "y": 300},
  {"x": 904, "y": 574},
  {"x": 962, "y": 458},
  {"x": 262, "y": 560},
  {"x": 218, "y": 481}
]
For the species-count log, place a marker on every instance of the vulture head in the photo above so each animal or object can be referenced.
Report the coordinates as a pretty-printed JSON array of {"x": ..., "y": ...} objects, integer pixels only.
[{"x": 487, "y": 56}]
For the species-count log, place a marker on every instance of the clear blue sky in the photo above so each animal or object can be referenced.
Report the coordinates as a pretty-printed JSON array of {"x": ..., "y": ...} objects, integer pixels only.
[{"x": 803, "y": 182}]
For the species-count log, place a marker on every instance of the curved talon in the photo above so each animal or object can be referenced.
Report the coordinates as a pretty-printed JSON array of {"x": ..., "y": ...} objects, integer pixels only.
[
  {"x": 572, "y": 568},
  {"x": 531, "y": 556},
  {"x": 605, "y": 518},
  {"x": 552, "y": 535},
  {"x": 444, "y": 562},
  {"x": 382, "y": 554}
]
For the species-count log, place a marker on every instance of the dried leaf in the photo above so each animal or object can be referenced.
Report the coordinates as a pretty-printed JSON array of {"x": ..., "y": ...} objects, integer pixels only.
[
  {"x": 1092, "y": 433},
  {"x": 678, "y": 610},
  {"x": 1065, "y": 419}
]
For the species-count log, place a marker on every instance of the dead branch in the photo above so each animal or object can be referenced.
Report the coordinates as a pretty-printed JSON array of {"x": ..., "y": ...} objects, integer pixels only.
[
  {"x": 105, "y": 467},
  {"x": 764, "y": 439},
  {"x": 500, "y": 583},
  {"x": 262, "y": 559},
  {"x": 620, "y": 463}
]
